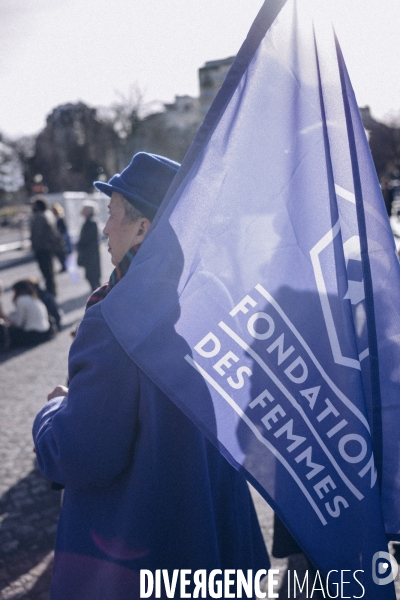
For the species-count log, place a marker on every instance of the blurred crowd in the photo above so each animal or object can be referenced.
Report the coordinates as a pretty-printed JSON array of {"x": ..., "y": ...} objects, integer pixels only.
[{"x": 37, "y": 317}]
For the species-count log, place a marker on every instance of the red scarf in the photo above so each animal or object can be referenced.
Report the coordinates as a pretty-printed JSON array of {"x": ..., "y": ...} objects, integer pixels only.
[{"x": 117, "y": 274}]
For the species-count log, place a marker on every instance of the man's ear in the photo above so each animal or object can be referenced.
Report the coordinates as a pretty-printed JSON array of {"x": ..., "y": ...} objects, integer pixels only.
[{"x": 144, "y": 227}]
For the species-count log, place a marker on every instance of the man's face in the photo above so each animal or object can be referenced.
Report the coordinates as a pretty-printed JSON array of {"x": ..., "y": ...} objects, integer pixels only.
[{"x": 121, "y": 232}]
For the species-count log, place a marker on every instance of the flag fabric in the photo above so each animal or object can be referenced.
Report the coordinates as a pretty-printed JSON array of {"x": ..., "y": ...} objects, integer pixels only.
[{"x": 271, "y": 275}]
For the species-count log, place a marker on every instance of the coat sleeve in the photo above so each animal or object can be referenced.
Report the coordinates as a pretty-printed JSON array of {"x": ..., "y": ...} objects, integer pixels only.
[{"x": 87, "y": 437}]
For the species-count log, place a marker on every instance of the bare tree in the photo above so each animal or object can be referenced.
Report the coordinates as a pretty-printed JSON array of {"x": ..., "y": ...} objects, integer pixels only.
[{"x": 125, "y": 113}]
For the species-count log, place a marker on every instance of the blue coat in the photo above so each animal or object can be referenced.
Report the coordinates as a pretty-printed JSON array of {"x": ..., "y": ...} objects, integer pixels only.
[{"x": 143, "y": 488}]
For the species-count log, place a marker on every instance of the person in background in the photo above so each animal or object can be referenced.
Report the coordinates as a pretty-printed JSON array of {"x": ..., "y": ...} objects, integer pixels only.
[
  {"x": 144, "y": 489},
  {"x": 45, "y": 239},
  {"x": 28, "y": 324},
  {"x": 54, "y": 311},
  {"x": 66, "y": 248},
  {"x": 88, "y": 245}
]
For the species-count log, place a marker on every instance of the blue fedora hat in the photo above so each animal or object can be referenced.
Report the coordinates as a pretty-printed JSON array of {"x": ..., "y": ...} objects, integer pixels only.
[{"x": 143, "y": 183}]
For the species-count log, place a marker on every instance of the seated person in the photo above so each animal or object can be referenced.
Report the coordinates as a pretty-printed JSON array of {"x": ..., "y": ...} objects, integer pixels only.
[{"x": 28, "y": 324}]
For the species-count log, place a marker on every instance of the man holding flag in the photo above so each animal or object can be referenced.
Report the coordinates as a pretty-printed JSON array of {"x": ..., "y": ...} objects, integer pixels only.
[
  {"x": 144, "y": 489},
  {"x": 273, "y": 320}
]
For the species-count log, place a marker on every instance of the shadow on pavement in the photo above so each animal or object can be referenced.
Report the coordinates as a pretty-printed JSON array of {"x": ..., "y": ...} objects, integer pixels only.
[
  {"x": 28, "y": 514},
  {"x": 6, "y": 354},
  {"x": 40, "y": 590}
]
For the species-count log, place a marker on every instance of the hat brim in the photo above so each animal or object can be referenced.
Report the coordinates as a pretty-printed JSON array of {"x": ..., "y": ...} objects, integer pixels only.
[
  {"x": 146, "y": 209},
  {"x": 106, "y": 188}
]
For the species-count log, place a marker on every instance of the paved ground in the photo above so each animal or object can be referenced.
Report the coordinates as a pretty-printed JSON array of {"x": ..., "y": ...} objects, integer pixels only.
[{"x": 28, "y": 507}]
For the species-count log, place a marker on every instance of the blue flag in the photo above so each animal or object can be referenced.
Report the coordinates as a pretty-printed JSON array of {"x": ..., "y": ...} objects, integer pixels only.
[{"x": 271, "y": 275}]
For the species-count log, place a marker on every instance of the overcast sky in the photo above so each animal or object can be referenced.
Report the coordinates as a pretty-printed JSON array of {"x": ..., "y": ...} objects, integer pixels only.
[{"x": 58, "y": 51}]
